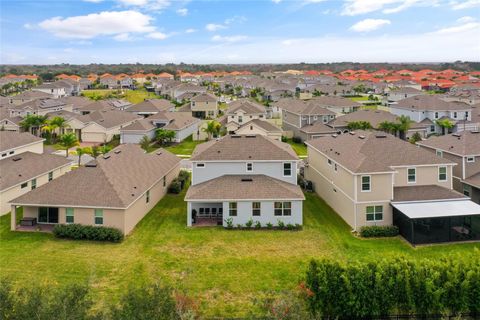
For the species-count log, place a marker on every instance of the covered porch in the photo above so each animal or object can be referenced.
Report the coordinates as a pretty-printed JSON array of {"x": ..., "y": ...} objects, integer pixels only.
[
  {"x": 437, "y": 221},
  {"x": 204, "y": 214},
  {"x": 42, "y": 219}
]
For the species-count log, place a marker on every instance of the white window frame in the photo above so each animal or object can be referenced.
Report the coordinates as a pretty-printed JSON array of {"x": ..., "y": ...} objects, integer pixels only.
[
  {"x": 471, "y": 159},
  {"x": 291, "y": 169},
  {"x": 369, "y": 183},
  {"x": 251, "y": 167},
  {"x": 199, "y": 165},
  {"x": 446, "y": 174},
  {"x": 374, "y": 213},
  {"x": 282, "y": 208},
  {"x": 259, "y": 209},
  {"x": 232, "y": 208},
  {"x": 408, "y": 175},
  {"x": 439, "y": 153},
  {"x": 95, "y": 216},
  {"x": 69, "y": 215}
]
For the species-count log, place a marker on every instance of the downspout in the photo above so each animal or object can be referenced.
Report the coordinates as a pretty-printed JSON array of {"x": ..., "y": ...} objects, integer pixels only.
[{"x": 355, "y": 203}]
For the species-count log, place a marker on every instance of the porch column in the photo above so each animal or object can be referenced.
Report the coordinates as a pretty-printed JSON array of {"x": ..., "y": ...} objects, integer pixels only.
[
  {"x": 189, "y": 214},
  {"x": 13, "y": 218}
]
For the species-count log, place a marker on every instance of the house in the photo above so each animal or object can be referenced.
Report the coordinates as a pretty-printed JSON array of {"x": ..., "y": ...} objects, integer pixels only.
[
  {"x": 115, "y": 190},
  {"x": 297, "y": 114},
  {"x": 339, "y": 105},
  {"x": 260, "y": 127},
  {"x": 151, "y": 106},
  {"x": 463, "y": 148},
  {"x": 28, "y": 96},
  {"x": 182, "y": 123},
  {"x": 60, "y": 88},
  {"x": 241, "y": 111},
  {"x": 402, "y": 93},
  {"x": 372, "y": 178},
  {"x": 7, "y": 122},
  {"x": 177, "y": 91},
  {"x": 422, "y": 107},
  {"x": 238, "y": 178},
  {"x": 38, "y": 107},
  {"x": 204, "y": 105},
  {"x": 24, "y": 166}
]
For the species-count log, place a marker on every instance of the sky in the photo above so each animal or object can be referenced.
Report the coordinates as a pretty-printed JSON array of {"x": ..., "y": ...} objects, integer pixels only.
[{"x": 229, "y": 31}]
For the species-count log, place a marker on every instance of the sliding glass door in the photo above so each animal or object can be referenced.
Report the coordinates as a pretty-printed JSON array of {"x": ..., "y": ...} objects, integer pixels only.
[{"x": 47, "y": 215}]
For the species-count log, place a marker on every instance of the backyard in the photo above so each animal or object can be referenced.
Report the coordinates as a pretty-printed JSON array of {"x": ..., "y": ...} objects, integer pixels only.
[
  {"x": 224, "y": 270},
  {"x": 133, "y": 96},
  {"x": 185, "y": 147}
]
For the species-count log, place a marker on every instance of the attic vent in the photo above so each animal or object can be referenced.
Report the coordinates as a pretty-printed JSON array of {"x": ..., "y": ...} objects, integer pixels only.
[
  {"x": 251, "y": 136},
  {"x": 106, "y": 156},
  {"x": 361, "y": 137},
  {"x": 17, "y": 158},
  {"x": 159, "y": 153},
  {"x": 475, "y": 131},
  {"x": 91, "y": 164},
  {"x": 235, "y": 136},
  {"x": 380, "y": 135},
  {"x": 352, "y": 132},
  {"x": 117, "y": 151},
  {"x": 334, "y": 135},
  {"x": 247, "y": 179}
]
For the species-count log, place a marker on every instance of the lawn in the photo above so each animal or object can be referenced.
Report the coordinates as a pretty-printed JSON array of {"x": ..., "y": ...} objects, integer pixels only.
[
  {"x": 133, "y": 96},
  {"x": 185, "y": 147},
  {"x": 299, "y": 148},
  {"x": 224, "y": 270}
]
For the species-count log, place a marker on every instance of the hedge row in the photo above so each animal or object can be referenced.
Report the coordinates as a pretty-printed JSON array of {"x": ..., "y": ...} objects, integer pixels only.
[
  {"x": 85, "y": 232},
  {"x": 394, "y": 286},
  {"x": 378, "y": 231}
]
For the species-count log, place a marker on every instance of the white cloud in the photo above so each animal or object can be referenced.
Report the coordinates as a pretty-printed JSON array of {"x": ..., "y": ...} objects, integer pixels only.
[
  {"x": 465, "y": 19},
  {"x": 460, "y": 28},
  {"x": 68, "y": 50},
  {"x": 190, "y": 30},
  {"x": 182, "y": 12},
  {"x": 157, "y": 35},
  {"x": 123, "y": 37},
  {"x": 98, "y": 24},
  {"x": 276, "y": 1},
  {"x": 236, "y": 38},
  {"x": 460, "y": 5},
  {"x": 93, "y": 1},
  {"x": 214, "y": 27},
  {"x": 356, "y": 7},
  {"x": 235, "y": 19},
  {"x": 147, "y": 4},
  {"x": 369, "y": 25}
]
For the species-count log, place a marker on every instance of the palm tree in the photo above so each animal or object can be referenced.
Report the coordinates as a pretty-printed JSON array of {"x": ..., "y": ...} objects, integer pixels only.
[
  {"x": 145, "y": 143},
  {"x": 105, "y": 149},
  {"x": 68, "y": 141},
  {"x": 445, "y": 124},
  {"x": 33, "y": 123},
  {"x": 212, "y": 129},
  {"x": 60, "y": 123},
  {"x": 81, "y": 152},
  {"x": 404, "y": 125},
  {"x": 359, "y": 125}
]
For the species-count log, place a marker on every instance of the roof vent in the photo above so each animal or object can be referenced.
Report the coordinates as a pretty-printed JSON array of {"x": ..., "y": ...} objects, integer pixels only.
[
  {"x": 251, "y": 136},
  {"x": 334, "y": 135},
  {"x": 361, "y": 137},
  {"x": 91, "y": 164},
  {"x": 106, "y": 156},
  {"x": 17, "y": 158},
  {"x": 159, "y": 153},
  {"x": 456, "y": 135},
  {"x": 352, "y": 132},
  {"x": 117, "y": 151},
  {"x": 247, "y": 179},
  {"x": 235, "y": 136},
  {"x": 380, "y": 135}
]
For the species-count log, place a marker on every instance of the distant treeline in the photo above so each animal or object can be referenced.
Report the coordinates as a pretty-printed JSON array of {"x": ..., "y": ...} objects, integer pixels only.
[{"x": 49, "y": 71}]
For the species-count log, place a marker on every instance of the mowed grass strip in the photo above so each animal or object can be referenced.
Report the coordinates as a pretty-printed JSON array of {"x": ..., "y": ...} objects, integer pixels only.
[{"x": 224, "y": 270}]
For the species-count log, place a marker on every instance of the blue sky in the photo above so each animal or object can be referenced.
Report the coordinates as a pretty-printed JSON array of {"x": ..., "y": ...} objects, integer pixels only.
[{"x": 278, "y": 31}]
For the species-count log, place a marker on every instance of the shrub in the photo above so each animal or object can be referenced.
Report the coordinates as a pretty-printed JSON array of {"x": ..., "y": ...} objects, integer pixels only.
[
  {"x": 281, "y": 224},
  {"x": 284, "y": 139},
  {"x": 258, "y": 225},
  {"x": 239, "y": 226},
  {"x": 229, "y": 222},
  {"x": 183, "y": 175},
  {"x": 85, "y": 232},
  {"x": 249, "y": 223},
  {"x": 298, "y": 226},
  {"x": 290, "y": 226},
  {"x": 269, "y": 225},
  {"x": 378, "y": 231},
  {"x": 297, "y": 139},
  {"x": 175, "y": 187}
]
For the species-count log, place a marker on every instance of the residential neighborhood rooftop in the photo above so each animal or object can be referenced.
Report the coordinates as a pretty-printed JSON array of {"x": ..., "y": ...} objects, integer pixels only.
[
  {"x": 10, "y": 139},
  {"x": 425, "y": 193},
  {"x": 462, "y": 143}
]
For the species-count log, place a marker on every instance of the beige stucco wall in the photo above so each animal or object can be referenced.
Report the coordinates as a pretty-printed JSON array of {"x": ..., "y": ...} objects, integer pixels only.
[
  {"x": 362, "y": 214},
  {"x": 36, "y": 147},
  {"x": 253, "y": 129},
  {"x": 381, "y": 188},
  {"x": 424, "y": 176},
  {"x": 204, "y": 106},
  {"x": 16, "y": 191}
]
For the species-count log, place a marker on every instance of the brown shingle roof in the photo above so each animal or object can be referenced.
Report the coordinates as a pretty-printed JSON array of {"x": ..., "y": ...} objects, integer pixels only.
[
  {"x": 474, "y": 180},
  {"x": 265, "y": 125},
  {"x": 243, "y": 147},
  {"x": 26, "y": 166},
  {"x": 366, "y": 152},
  {"x": 375, "y": 117},
  {"x": 244, "y": 187},
  {"x": 204, "y": 97},
  {"x": 176, "y": 120},
  {"x": 115, "y": 182},
  {"x": 10, "y": 139},
  {"x": 463, "y": 143},
  {"x": 151, "y": 105},
  {"x": 430, "y": 102},
  {"x": 108, "y": 118},
  {"x": 248, "y": 106},
  {"x": 424, "y": 193}
]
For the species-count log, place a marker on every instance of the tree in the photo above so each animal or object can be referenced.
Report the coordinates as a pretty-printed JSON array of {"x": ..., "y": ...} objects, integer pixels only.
[
  {"x": 105, "y": 149},
  {"x": 359, "y": 125},
  {"x": 404, "y": 125},
  {"x": 212, "y": 129},
  {"x": 81, "y": 152},
  {"x": 68, "y": 141},
  {"x": 60, "y": 123},
  {"x": 95, "y": 151},
  {"x": 33, "y": 123},
  {"x": 145, "y": 143},
  {"x": 445, "y": 124},
  {"x": 163, "y": 135},
  {"x": 415, "y": 138}
]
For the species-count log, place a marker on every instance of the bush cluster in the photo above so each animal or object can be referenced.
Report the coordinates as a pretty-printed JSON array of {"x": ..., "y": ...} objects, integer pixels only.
[
  {"x": 179, "y": 182},
  {"x": 85, "y": 232},
  {"x": 378, "y": 231},
  {"x": 393, "y": 286}
]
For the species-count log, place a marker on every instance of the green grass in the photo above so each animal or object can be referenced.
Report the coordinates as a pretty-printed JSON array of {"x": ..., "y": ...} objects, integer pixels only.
[
  {"x": 224, "y": 270},
  {"x": 133, "y": 96},
  {"x": 185, "y": 147},
  {"x": 299, "y": 148}
]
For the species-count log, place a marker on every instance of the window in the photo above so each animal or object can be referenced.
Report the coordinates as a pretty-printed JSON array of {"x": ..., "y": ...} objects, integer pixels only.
[
  {"x": 232, "y": 208},
  {"x": 432, "y": 128},
  {"x": 240, "y": 119},
  {"x": 164, "y": 181},
  {"x": 256, "y": 208},
  {"x": 200, "y": 165},
  {"x": 34, "y": 184},
  {"x": 455, "y": 115},
  {"x": 365, "y": 183},
  {"x": 4, "y": 154},
  {"x": 436, "y": 115},
  {"x": 439, "y": 153},
  {"x": 287, "y": 169},
  {"x": 470, "y": 159},
  {"x": 50, "y": 176},
  {"x": 335, "y": 167},
  {"x": 69, "y": 218},
  {"x": 147, "y": 198},
  {"x": 442, "y": 173},
  {"x": 329, "y": 162},
  {"x": 374, "y": 213},
  {"x": 412, "y": 175},
  {"x": 99, "y": 216},
  {"x": 24, "y": 185},
  {"x": 282, "y": 208},
  {"x": 467, "y": 190},
  {"x": 249, "y": 167}
]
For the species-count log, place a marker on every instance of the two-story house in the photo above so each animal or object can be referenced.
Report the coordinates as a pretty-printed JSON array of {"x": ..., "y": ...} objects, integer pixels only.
[
  {"x": 398, "y": 94},
  {"x": 238, "y": 178},
  {"x": 372, "y": 178},
  {"x": 422, "y": 107},
  {"x": 242, "y": 111},
  {"x": 24, "y": 166},
  {"x": 463, "y": 148},
  {"x": 204, "y": 105}
]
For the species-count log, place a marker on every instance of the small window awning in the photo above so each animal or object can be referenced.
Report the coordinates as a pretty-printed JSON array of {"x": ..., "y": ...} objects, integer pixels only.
[{"x": 438, "y": 209}]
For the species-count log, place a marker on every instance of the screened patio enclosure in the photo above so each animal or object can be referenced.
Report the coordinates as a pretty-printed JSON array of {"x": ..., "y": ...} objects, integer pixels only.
[{"x": 438, "y": 221}]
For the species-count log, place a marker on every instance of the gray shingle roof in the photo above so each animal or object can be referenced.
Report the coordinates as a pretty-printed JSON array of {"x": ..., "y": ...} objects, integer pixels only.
[
  {"x": 429, "y": 102},
  {"x": 115, "y": 182},
  {"x": 265, "y": 125},
  {"x": 151, "y": 105},
  {"x": 249, "y": 107},
  {"x": 425, "y": 193},
  {"x": 463, "y": 143},
  {"x": 10, "y": 139}
]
